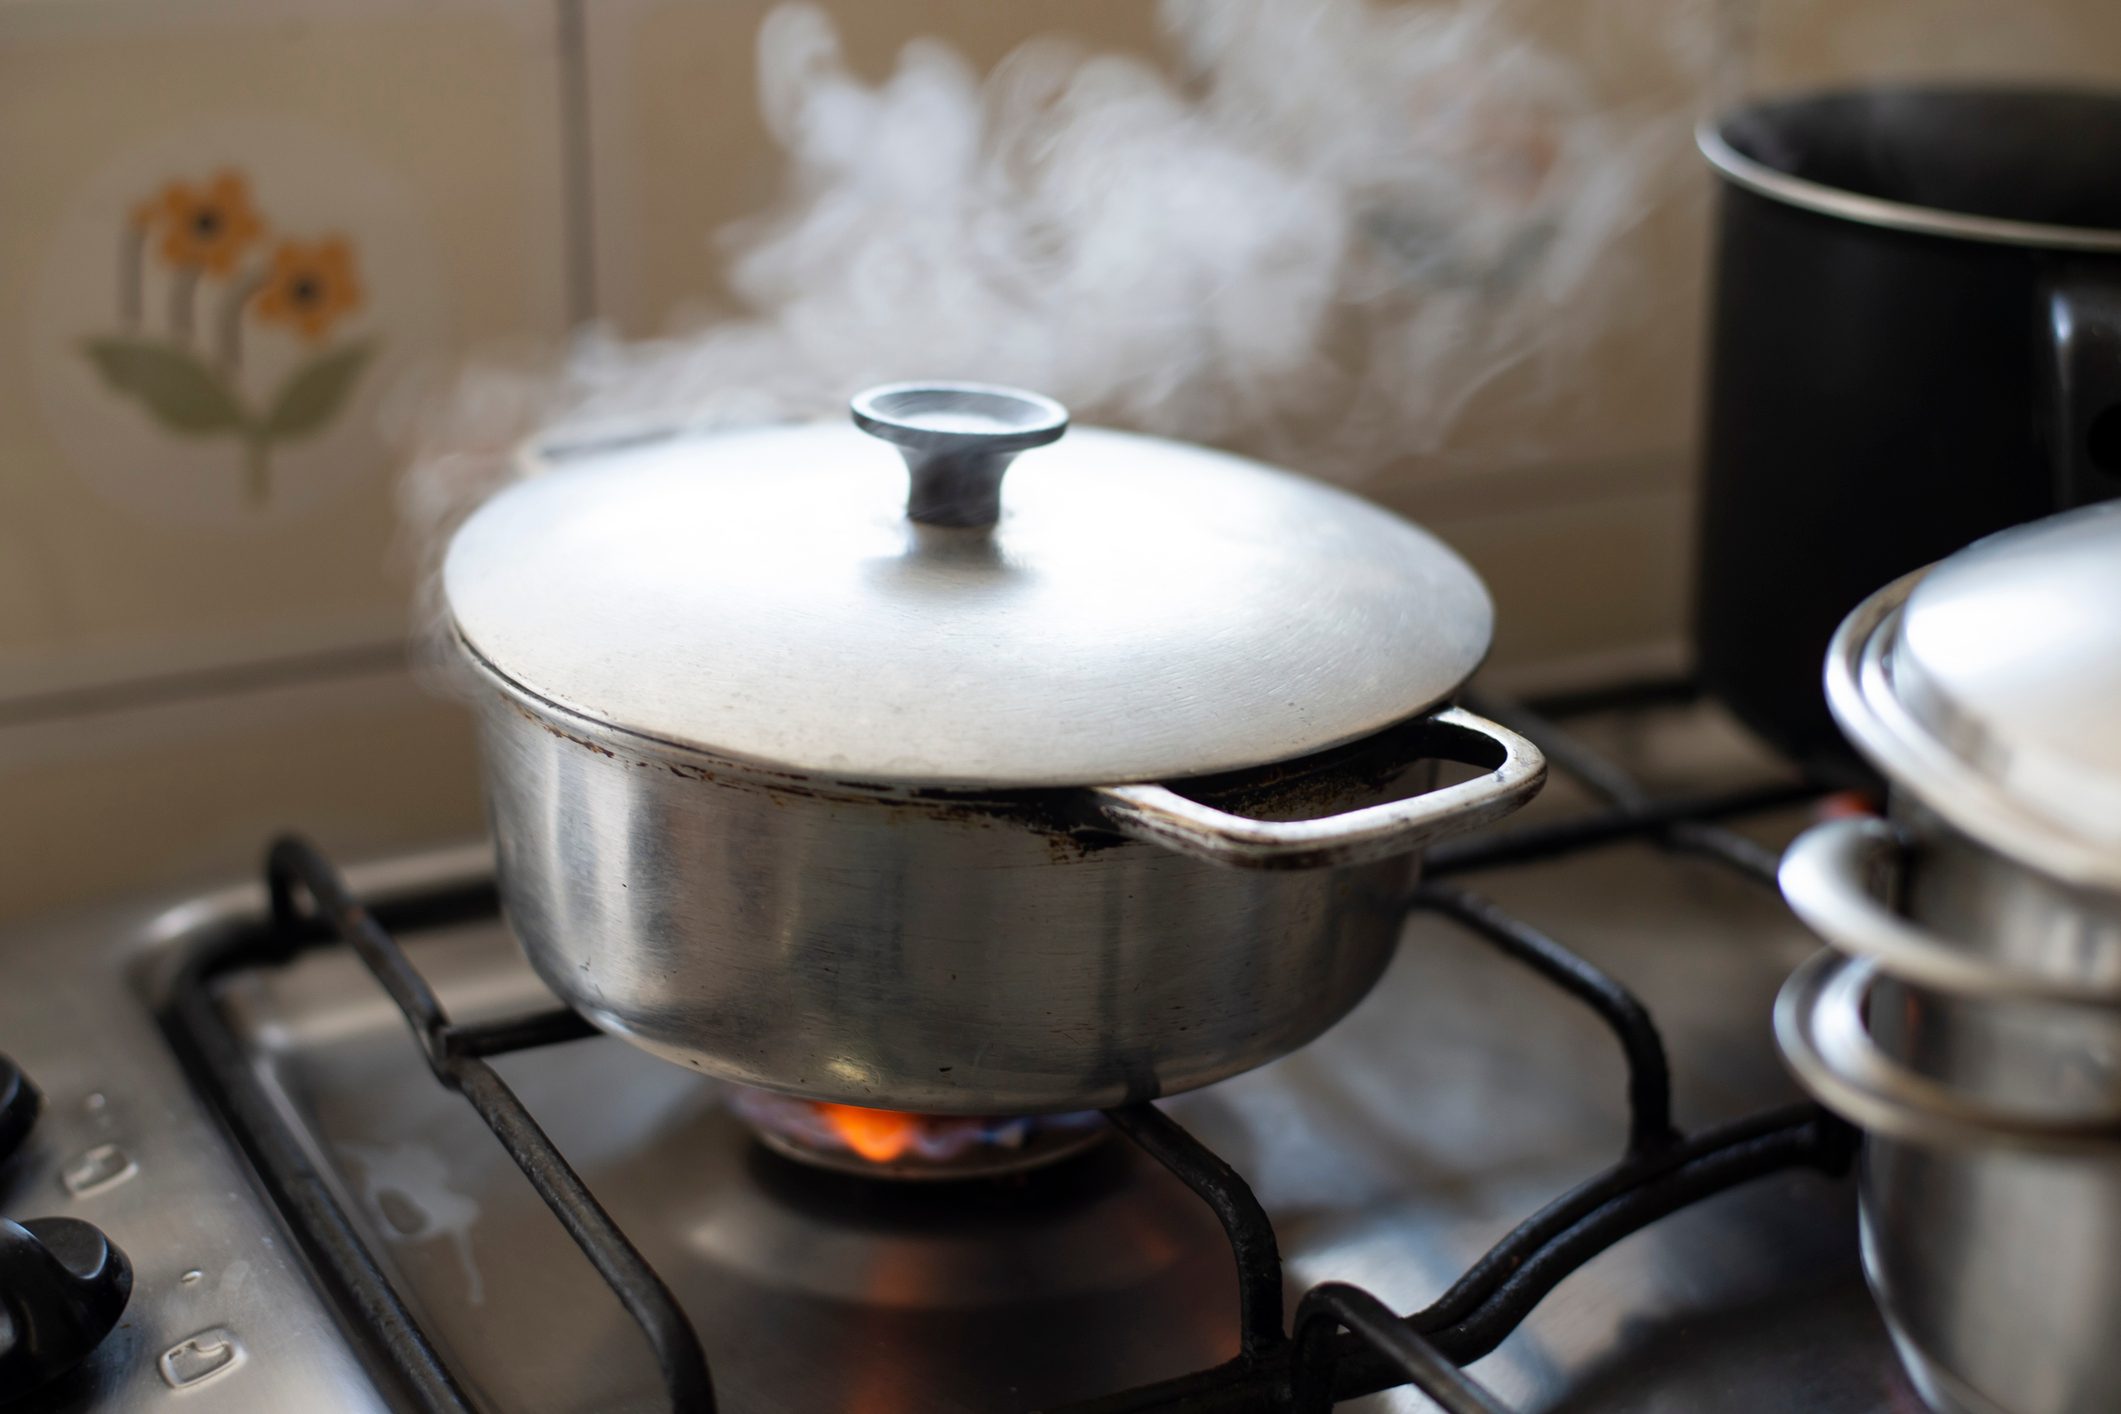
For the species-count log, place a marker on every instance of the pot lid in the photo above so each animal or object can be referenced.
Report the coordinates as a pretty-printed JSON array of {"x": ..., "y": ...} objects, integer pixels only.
[
  {"x": 1990, "y": 685},
  {"x": 1121, "y": 608}
]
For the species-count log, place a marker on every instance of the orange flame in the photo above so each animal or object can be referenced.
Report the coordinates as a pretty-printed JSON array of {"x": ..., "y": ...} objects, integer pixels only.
[{"x": 879, "y": 1136}]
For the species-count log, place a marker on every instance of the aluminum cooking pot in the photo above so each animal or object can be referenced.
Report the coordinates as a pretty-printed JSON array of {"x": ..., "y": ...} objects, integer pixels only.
[
  {"x": 969, "y": 797},
  {"x": 1973, "y": 1023}
]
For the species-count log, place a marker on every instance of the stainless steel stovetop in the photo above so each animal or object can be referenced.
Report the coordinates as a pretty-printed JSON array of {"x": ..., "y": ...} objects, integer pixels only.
[{"x": 1461, "y": 1096}]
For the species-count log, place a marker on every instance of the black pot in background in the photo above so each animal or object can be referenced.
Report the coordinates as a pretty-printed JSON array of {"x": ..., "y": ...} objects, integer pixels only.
[{"x": 1915, "y": 340}]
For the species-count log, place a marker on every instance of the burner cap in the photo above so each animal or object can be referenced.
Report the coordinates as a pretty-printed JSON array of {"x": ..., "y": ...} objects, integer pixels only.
[{"x": 894, "y": 1144}]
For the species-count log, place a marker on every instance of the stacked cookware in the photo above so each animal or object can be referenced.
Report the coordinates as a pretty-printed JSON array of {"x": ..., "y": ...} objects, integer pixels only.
[{"x": 1970, "y": 1019}]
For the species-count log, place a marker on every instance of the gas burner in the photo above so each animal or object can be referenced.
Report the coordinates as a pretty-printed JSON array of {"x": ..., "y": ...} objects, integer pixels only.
[{"x": 894, "y": 1144}]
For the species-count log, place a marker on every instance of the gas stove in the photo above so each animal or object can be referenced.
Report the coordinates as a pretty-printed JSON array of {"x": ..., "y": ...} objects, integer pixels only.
[{"x": 352, "y": 1155}]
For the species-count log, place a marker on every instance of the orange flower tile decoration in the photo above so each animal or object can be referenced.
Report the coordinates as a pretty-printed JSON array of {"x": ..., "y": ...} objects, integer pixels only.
[
  {"x": 204, "y": 227},
  {"x": 310, "y": 286},
  {"x": 205, "y": 234}
]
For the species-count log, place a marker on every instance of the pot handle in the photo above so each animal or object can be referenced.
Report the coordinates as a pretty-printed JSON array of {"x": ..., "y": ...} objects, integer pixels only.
[
  {"x": 1159, "y": 815},
  {"x": 1823, "y": 878},
  {"x": 1819, "y": 1025},
  {"x": 2083, "y": 318}
]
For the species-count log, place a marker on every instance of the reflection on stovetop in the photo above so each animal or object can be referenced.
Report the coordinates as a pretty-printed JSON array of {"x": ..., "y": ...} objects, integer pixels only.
[{"x": 1461, "y": 1096}]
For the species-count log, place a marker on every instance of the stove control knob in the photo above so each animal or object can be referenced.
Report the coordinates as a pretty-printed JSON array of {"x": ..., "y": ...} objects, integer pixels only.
[
  {"x": 62, "y": 1287},
  {"x": 19, "y": 1102}
]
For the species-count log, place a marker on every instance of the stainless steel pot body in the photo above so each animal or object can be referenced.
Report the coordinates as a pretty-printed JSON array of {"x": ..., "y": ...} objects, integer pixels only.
[
  {"x": 1975, "y": 1032},
  {"x": 941, "y": 952}
]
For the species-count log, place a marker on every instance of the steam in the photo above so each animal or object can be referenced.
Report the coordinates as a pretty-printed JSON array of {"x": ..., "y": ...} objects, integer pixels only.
[{"x": 1321, "y": 238}]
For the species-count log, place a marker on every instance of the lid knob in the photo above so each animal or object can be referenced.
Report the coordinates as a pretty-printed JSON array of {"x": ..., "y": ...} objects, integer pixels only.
[{"x": 957, "y": 439}]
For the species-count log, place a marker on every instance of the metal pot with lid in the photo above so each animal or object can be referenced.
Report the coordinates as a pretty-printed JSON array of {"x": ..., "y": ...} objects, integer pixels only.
[
  {"x": 992, "y": 795},
  {"x": 1972, "y": 1019}
]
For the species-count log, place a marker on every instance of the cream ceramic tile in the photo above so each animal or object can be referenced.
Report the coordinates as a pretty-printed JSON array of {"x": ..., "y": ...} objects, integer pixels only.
[
  {"x": 190, "y": 793},
  {"x": 1802, "y": 44},
  {"x": 1581, "y": 580},
  {"x": 233, "y": 233}
]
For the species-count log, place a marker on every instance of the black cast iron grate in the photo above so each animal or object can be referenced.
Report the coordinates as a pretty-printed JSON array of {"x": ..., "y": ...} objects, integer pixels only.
[{"x": 1343, "y": 1342}]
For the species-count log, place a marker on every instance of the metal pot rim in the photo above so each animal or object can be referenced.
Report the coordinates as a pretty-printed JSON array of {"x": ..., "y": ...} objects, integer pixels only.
[
  {"x": 686, "y": 759},
  {"x": 1820, "y": 1029},
  {"x": 1148, "y": 812},
  {"x": 1776, "y": 185}
]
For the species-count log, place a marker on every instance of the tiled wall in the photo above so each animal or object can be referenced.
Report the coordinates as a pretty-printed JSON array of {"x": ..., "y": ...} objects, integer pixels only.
[
  {"x": 201, "y": 608},
  {"x": 232, "y": 234}
]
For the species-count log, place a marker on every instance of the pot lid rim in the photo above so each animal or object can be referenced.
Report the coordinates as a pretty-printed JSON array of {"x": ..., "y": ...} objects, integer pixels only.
[
  {"x": 1862, "y": 694},
  {"x": 768, "y": 771},
  {"x": 1434, "y": 657}
]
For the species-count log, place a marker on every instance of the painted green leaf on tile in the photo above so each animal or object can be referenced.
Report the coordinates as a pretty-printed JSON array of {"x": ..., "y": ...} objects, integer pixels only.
[
  {"x": 313, "y": 393},
  {"x": 177, "y": 387}
]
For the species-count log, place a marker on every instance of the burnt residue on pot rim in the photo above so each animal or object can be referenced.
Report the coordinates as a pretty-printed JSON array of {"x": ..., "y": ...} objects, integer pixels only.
[{"x": 1377, "y": 767}]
